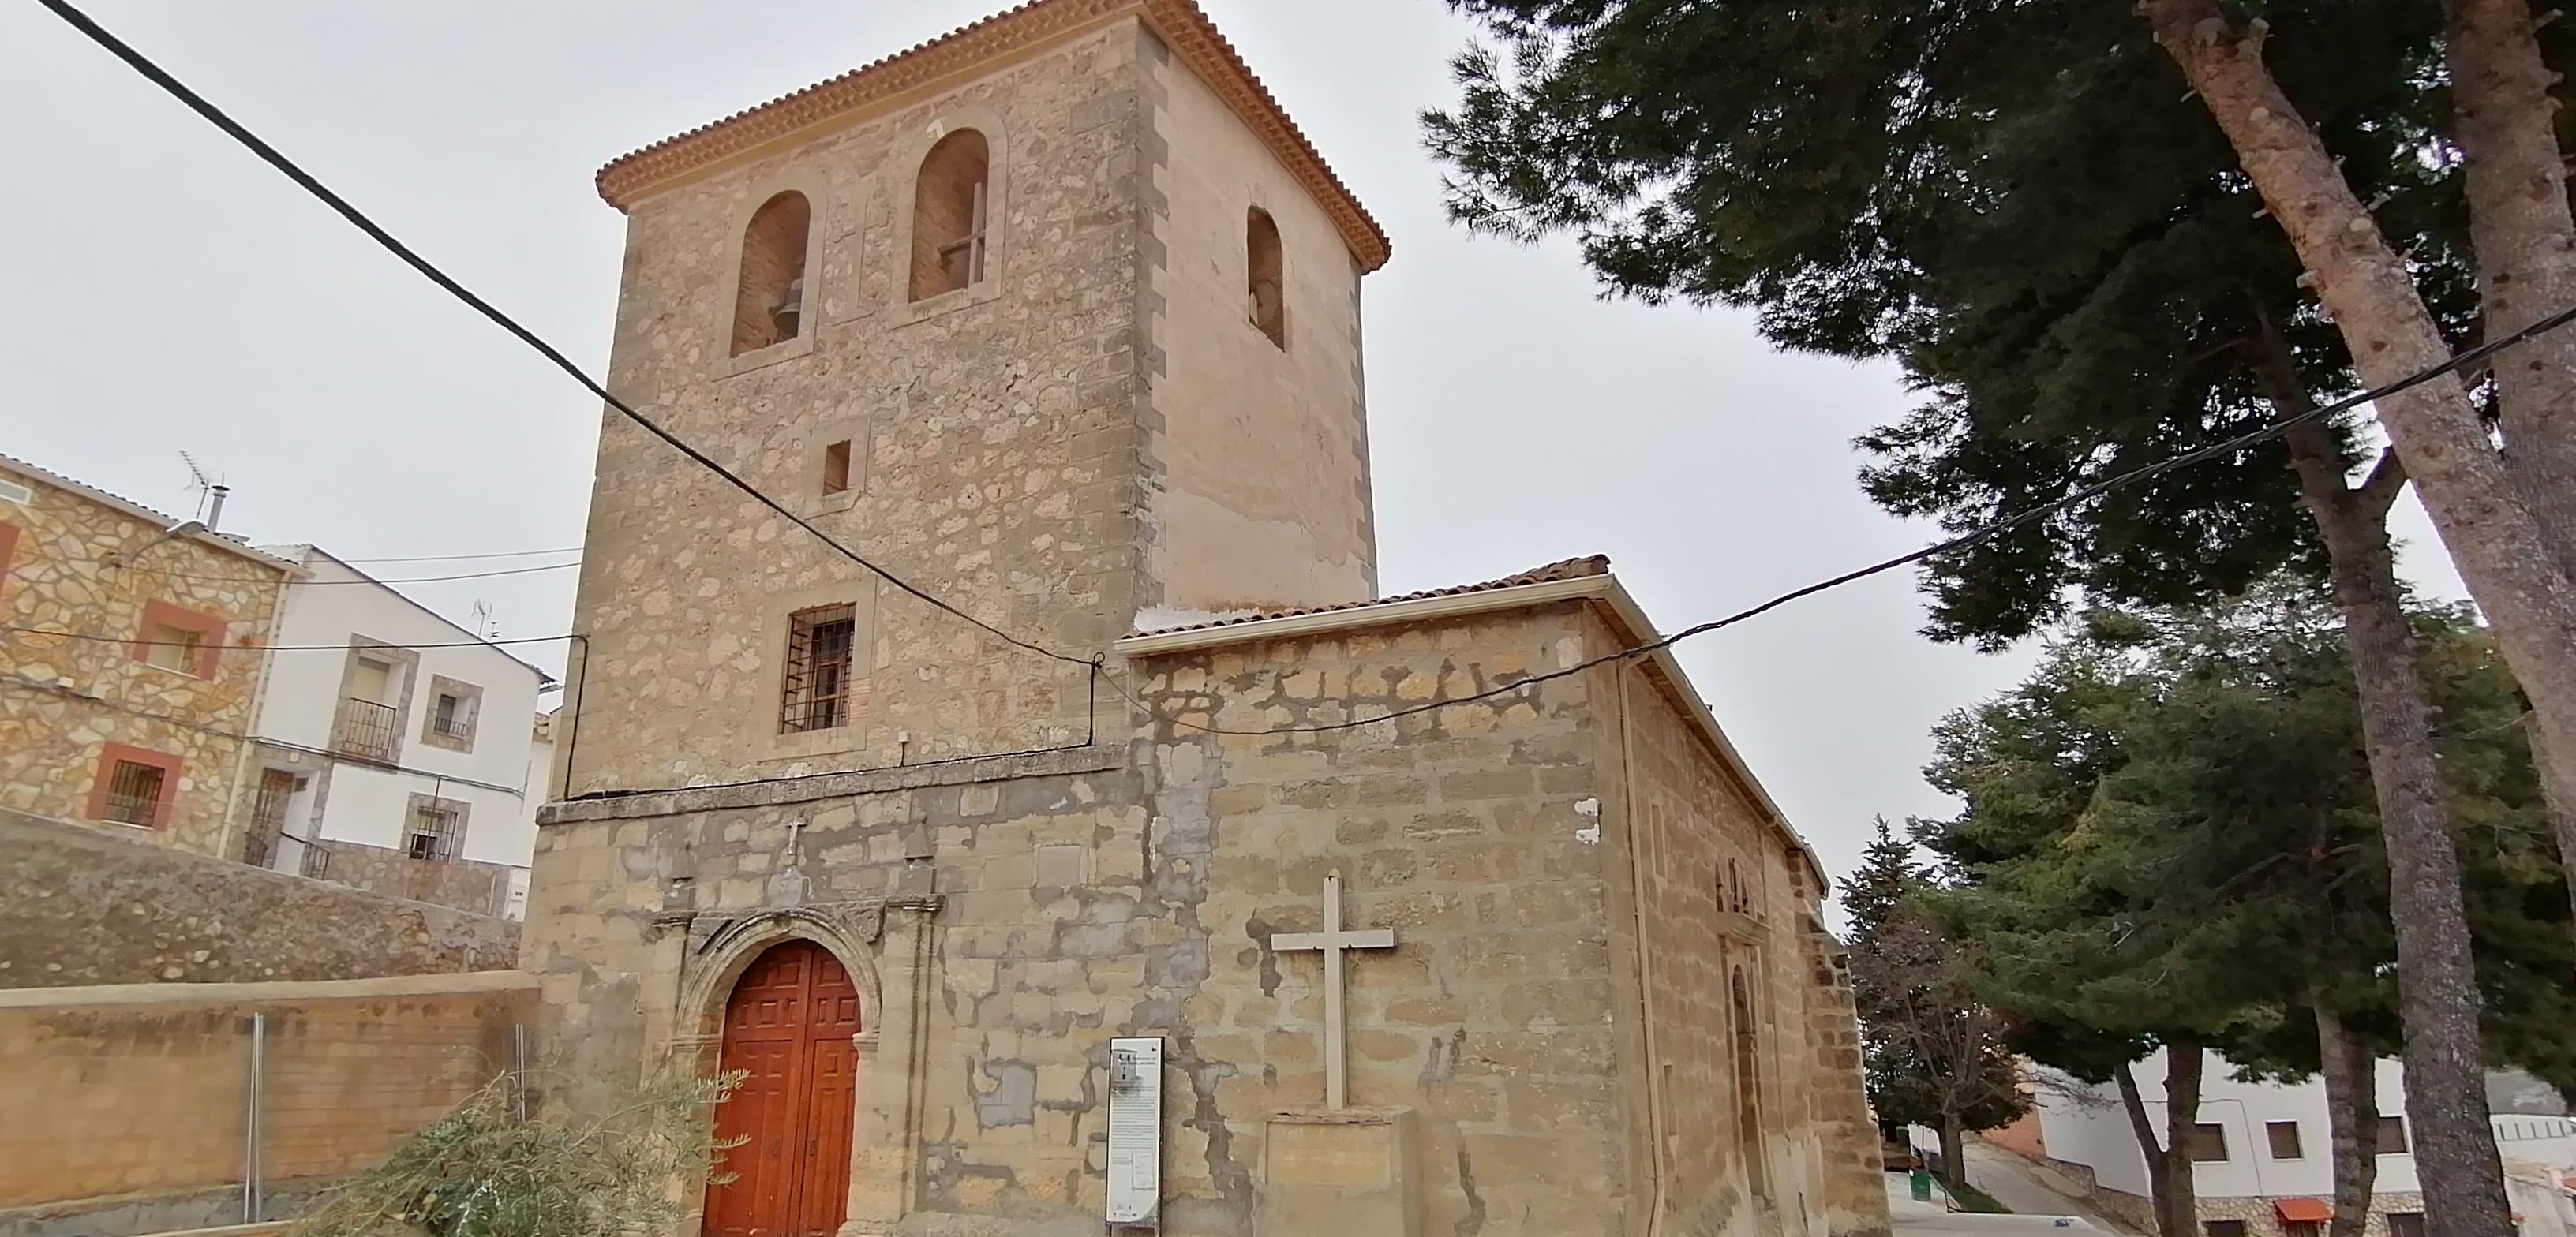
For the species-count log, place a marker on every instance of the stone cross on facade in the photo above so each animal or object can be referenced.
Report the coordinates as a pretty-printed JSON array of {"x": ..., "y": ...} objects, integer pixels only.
[{"x": 1331, "y": 942}]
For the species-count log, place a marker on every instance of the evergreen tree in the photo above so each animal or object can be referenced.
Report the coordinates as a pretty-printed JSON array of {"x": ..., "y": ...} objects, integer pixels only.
[
  {"x": 2018, "y": 203},
  {"x": 1931, "y": 1053},
  {"x": 2169, "y": 840}
]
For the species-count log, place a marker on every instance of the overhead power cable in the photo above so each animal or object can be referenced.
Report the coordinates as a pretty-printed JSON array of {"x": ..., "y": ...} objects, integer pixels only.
[
  {"x": 269, "y": 154},
  {"x": 458, "y": 558},
  {"x": 282, "y": 648},
  {"x": 2251, "y": 438},
  {"x": 462, "y": 575},
  {"x": 274, "y": 158}
]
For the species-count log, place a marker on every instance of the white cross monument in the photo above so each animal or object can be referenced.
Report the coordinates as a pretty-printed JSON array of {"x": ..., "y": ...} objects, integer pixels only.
[{"x": 1331, "y": 942}]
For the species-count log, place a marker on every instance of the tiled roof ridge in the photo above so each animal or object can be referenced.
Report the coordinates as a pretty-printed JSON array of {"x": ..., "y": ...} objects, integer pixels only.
[
  {"x": 1181, "y": 23},
  {"x": 1562, "y": 569}
]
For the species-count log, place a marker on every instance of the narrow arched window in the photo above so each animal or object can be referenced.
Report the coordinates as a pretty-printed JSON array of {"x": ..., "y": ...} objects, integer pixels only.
[
  {"x": 769, "y": 305},
  {"x": 949, "y": 201},
  {"x": 1265, "y": 289},
  {"x": 1748, "y": 1088}
]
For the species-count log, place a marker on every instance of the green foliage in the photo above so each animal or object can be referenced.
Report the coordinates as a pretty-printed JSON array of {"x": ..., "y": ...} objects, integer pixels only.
[
  {"x": 1931, "y": 1053},
  {"x": 2021, "y": 203},
  {"x": 485, "y": 1171},
  {"x": 2170, "y": 832}
]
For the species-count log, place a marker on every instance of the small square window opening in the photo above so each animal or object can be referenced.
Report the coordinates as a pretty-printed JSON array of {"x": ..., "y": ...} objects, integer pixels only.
[
  {"x": 2209, "y": 1143},
  {"x": 433, "y": 833},
  {"x": 134, "y": 793},
  {"x": 2392, "y": 1136},
  {"x": 173, "y": 648},
  {"x": 2284, "y": 1137},
  {"x": 452, "y": 716},
  {"x": 836, "y": 468}
]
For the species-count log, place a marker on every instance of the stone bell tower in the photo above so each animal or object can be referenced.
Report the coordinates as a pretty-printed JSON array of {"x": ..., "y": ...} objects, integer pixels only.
[{"x": 1056, "y": 318}]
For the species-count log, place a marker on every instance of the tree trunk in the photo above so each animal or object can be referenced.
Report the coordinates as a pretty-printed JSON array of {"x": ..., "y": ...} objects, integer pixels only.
[
  {"x": 1954, "y": 1164},
  {"x": 2559, "y": 798},
  {"x": 2510, "y": 565},
  {"x": 2159, "y": 1180},
  {"x": 2184, "y": 1063},
  {"x": 2352, "y": 1121},
  {"x": 2437, "y": 983},
  {"x": 2525, "y": 241}
]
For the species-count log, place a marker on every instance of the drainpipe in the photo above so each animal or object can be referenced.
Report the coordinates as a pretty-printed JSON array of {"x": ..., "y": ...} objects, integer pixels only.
[
  {"x": 253, "y": 1117},
  {"x": 1645, "y": 960}
]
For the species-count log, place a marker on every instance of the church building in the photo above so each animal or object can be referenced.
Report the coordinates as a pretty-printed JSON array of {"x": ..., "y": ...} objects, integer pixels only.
[{"x": 1112, "y": 857}]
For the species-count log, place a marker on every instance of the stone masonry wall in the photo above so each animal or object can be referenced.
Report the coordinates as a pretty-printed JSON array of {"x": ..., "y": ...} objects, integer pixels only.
[
  {"x": 64, "y": 699},
  {"x": 1089, "y": 894},
  {"x": 82, "y": 906},
  {"x": 147, "y": 1085},
  {"x": 467, "y": 885},
  {"x": 993, "y": 444},
  {"x": 1004, "y": 918},
  {"x": 1466, "y": 830}
]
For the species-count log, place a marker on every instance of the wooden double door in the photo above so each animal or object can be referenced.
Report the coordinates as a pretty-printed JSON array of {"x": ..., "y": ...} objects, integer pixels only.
[{"x": 788, "y": 1026}]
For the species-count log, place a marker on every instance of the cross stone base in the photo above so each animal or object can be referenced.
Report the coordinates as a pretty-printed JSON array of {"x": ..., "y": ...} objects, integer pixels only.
[{"x": 1340, "y": 1170}]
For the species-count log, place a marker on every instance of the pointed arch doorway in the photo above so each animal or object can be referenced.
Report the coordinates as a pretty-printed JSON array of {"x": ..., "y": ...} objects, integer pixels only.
[{"x": 789, "y": 1026}]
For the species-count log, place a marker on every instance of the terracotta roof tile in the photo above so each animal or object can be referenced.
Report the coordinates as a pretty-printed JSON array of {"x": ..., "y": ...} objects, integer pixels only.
[
  {"x": 1567, "y": 569},
  {"x": 1182, "y": 25}
]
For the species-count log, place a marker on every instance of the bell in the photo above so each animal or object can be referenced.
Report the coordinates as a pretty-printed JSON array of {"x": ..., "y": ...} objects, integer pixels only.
[{"x": 791, "y": 306}]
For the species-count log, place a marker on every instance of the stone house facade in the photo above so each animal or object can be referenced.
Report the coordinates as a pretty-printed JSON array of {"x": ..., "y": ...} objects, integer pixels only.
[
  {"x": 130, "y": 664},
  {"x": 1056, "y": 320}
]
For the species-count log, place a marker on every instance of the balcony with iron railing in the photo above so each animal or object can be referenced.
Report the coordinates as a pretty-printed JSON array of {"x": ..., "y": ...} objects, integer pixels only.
[{"x": 367, "y": 730}]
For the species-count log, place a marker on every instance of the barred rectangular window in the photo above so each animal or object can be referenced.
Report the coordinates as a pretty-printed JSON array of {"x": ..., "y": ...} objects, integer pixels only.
[
  {"x": 134, "y": 793},
  {"x": 815, "y": 693},
  {"x": 433, "y": 833}
]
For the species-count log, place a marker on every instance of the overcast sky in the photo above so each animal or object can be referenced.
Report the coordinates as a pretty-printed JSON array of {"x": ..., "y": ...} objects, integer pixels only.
[{"x": 160, "y": 291}]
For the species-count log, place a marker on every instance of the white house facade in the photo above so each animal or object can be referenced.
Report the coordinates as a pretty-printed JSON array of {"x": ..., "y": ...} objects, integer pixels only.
[
  {"x": 396, "y": 749},
  {"x": 2264, "y": 1162}
]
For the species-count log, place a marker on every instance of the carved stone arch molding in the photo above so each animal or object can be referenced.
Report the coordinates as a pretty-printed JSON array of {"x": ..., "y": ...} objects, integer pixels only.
[{"x": 721, "y": 946}]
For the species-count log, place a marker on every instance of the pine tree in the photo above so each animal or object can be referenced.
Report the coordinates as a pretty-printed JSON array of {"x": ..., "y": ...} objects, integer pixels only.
[
  {"x": 1932, "y": 1054},
  {"x": 2018, "y": 203}
]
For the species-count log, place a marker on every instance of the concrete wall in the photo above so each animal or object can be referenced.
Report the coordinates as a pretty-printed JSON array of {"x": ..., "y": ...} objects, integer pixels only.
[
  {"x": 142, "y": 1089},
  {"x": 1260, "y": 497},
  {"x": 348, "y": 801},
  {"x": 82, "y": 906},
  {"x": 62, "y": 700}
]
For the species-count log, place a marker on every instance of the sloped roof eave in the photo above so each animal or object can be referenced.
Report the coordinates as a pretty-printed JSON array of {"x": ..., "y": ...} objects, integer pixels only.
[
  {"x": 1181, "y": 24},
  {"x": 1628, "y": 620}
]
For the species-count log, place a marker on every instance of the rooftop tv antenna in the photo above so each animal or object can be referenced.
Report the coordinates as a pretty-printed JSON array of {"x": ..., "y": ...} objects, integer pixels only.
[{"x": 211, "y": 492}]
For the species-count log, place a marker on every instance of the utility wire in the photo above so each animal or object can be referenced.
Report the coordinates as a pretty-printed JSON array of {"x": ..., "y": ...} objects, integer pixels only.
[
  {"x": 274, "y": 158},
  {"x": 1985, "y": 532},
  {"x": 2460, "y": 360},
  {"x": 452, "y": 558},
  {"x": 285, "y": 648},
  {"x": 464, "y": 575}
]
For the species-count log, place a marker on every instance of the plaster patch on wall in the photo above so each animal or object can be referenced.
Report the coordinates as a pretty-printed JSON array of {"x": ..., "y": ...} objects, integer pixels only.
[{"x": 1589, "y": 835}]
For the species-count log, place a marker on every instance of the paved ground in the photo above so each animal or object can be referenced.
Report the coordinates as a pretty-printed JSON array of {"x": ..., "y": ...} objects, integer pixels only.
[
  {"x": 2029, "y": 1189},
  {"x": 1913, "y": 1219}
]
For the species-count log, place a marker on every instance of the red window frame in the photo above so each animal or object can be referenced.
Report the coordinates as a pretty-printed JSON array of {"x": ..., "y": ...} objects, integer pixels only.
[
  {"x": 164, "y": 614},
  {"x": 110, "y": 755},
  {"x": 8, "y": 553}
]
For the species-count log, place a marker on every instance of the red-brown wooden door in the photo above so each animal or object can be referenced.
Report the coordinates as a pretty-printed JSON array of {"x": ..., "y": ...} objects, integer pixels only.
[{"x": 788, "y": 1026}]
